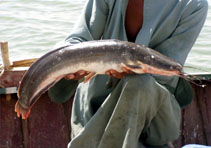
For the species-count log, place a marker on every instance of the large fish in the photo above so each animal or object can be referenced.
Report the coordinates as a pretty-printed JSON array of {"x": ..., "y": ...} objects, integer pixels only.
[{"x": 94, "y": 57}]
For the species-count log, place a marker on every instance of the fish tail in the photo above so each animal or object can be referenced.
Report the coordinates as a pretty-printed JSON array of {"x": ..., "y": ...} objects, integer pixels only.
[{"x": 22, "y": 111}]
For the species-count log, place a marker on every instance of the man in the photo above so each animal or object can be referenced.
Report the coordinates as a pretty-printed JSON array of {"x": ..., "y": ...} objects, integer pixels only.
[{"x": 139, "y": 110}]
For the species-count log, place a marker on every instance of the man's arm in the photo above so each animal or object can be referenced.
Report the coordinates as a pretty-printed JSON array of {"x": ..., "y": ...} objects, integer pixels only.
[
  {"x": 90, "y": 27},
  {"x": 179, "y": 44},
  {"x": 91, "y": 23}
]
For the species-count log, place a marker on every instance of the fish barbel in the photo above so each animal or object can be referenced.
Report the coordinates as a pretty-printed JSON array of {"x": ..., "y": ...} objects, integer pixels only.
[{"x": 95, "y": 57}]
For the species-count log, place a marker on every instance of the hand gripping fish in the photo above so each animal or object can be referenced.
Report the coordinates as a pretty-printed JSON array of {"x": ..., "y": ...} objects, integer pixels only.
[{"x": 94, "y": 57}]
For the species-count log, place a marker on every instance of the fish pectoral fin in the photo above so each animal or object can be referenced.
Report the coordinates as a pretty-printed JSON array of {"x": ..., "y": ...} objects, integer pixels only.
[
  {"x": 133, "y": 68},
  {"x": 89, "y": 76}
]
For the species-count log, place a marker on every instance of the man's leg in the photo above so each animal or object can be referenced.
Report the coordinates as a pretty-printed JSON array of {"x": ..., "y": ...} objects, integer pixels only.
[{"x": 137, "y": 104}]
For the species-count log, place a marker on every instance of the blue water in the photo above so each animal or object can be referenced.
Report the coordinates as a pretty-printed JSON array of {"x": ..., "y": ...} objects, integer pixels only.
[{"x": 32, "y": 28}]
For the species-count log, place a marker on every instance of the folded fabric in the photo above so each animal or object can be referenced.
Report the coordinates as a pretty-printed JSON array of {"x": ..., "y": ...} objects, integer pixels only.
[{"x": 63, "y": 90}]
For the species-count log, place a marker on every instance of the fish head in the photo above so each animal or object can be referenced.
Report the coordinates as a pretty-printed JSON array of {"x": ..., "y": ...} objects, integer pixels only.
[{"x": 150, "y": 61}]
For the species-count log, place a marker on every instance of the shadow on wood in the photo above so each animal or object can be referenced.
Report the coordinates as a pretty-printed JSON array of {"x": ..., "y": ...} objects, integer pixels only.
[{"x": 196, "y": 118}]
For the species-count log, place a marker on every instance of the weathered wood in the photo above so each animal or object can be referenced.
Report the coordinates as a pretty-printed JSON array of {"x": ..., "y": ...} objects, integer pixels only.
[
  {"x": 196, "y": 118},
  {"x": 8, "y": 97},
  {"x": 11, "y": 78},
  {"x": 25, "y": 130},
  {"x": 5, "y": 54},
  {"x": 193, "y": 125},
  {"x": 47, "y": 125},
  {"x": 24, "y": 63},
  {"x": 68, "y": 111},
  {"x": 10, "y": 125},
  {"x": 204, "y": 102}
]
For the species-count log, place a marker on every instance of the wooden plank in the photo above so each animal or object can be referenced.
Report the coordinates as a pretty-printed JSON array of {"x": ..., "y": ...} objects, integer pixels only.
[
  {"x": 11, "y": 78},
  {"x": 68, "y": 111},
  {"x": 192, "y": 125},
  {"x": 47, "y": 125},
  {"x": 196, "y": 119},
  {"x": 204, "y": 100},
  {"x": 24, "y": 63},
  {"x": 10, "y": 125}
]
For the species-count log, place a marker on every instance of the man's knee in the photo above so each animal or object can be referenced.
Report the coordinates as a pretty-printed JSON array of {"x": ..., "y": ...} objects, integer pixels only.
[
  {"x": 203, "y": 5},
  {"x": 144, "y": 87},
  {"x": 144, "y": 82}
]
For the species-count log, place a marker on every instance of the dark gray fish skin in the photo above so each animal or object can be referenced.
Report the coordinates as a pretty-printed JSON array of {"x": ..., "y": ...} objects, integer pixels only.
[{"x": 93, "y": 56}]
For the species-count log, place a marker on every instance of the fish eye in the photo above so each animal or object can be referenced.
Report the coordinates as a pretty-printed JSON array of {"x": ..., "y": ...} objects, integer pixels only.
[{"x": 171, "y": 67}]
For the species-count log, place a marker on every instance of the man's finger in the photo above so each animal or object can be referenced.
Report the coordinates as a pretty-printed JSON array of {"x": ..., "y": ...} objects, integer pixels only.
[
  {"x": 115, "y": 74},
  {"x": 70, "y": 76}
]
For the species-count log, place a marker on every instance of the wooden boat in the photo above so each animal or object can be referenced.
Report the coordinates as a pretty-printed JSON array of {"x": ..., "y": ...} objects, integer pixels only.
[{"x": 49, "y": 123}]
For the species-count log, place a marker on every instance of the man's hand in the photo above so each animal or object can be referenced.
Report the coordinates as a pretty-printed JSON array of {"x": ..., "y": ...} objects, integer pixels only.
[
  {"x": 118, "y": 75},
  {"x": 77, "y": 76},
  {"x": 112, "y": 73}
]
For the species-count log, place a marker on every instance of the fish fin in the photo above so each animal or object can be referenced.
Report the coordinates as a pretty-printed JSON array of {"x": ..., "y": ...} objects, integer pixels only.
[
  {"x": 133, "y": 68},
  {"x": 89, "y": 76},
  {"x": 22, "y": 111}
]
